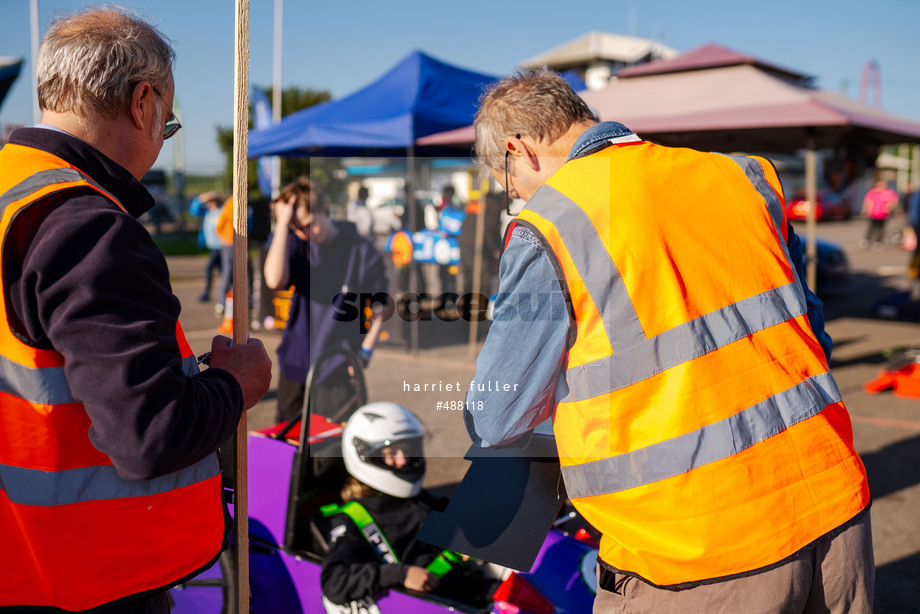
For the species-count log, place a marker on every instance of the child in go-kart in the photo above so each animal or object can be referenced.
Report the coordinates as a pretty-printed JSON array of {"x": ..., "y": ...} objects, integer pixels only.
[{"x": 372, "y": 545}]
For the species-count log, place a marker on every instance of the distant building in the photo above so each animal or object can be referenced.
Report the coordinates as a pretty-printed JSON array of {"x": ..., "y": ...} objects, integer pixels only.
[{"x": 596, "y": 56}]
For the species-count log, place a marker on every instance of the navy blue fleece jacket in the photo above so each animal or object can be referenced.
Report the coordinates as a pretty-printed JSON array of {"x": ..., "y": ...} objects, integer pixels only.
[{"x": 86, "y": 279}]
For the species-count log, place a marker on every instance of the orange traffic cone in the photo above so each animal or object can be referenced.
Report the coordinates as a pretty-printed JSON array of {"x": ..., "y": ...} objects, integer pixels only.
[
  {"x": 226, "y": 326},
  {"x": 905, "y": 381}
]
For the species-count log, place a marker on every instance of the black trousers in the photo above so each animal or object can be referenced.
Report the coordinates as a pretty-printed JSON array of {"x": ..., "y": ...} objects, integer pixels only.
[{"x": 876, "y": 231}]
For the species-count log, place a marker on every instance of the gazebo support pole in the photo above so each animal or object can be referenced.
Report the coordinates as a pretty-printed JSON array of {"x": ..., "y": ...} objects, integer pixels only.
[
  {"x": 414, "y": 269},
  {"x": 474, "y": 286},
  {"x": 811, "y": 194}
]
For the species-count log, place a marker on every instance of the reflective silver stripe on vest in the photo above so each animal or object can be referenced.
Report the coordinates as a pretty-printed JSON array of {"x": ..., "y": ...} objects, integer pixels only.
[
  {"x": 600, "y": 275},
  {"x": 45, "y": 386},
  {"x": 51, "y": 176},
  {"x": 755, "y": 174},
  {"x": 39, "y": 180},
  {"x": 709, "y": 444},
  {"x": 47, "y": 488},
  {"x": 682, "y": 344},
  {"x": 635, "y": 357},
  {"x": 48, "y": 385}
]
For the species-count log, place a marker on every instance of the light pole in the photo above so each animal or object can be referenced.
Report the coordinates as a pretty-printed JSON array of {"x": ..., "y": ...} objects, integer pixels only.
[{"x": 33, "y": 22}]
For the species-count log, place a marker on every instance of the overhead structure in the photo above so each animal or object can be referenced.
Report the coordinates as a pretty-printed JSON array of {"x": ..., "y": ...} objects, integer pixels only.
[
  {"x": 597, "y": 56},
  {"x": 419, "y": 96},
  {"x": 716, "y": 99}
]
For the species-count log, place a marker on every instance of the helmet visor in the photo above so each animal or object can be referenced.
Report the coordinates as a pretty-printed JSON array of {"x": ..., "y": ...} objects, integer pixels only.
[{"x": 404, "y": 457}]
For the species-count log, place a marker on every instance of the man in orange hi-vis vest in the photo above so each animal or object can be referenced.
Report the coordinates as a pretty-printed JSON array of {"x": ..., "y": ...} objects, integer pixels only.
[
  {"x": 225, "y": 234},
  {"x": 110, "y": 486},
  {"x": 654, "y": 303}
]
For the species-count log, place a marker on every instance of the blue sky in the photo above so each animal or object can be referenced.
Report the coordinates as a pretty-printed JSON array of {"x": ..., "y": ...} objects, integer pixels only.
[{"x": 342, "y": 46}]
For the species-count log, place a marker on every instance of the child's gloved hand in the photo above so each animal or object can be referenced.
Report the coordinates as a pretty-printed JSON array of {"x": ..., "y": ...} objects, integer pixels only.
[{"x": 419, "y": 579}]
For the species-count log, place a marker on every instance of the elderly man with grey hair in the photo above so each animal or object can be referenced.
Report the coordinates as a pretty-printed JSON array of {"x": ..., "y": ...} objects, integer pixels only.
[
  {"x": 110, "y": 487},
  {"x": 652, "y": 301}
]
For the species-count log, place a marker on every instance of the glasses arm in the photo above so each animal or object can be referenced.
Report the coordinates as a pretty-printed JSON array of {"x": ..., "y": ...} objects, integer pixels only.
[{"x": 507, "y": 188}]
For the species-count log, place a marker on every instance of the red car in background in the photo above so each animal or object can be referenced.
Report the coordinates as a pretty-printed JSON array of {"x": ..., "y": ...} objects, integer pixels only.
[{"x": 831, "y": 206}]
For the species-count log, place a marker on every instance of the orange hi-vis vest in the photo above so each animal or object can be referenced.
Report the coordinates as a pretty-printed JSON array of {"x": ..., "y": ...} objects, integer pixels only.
[
  {"x": 698, "y": 427},
  {"x": 73, "y": 534}
]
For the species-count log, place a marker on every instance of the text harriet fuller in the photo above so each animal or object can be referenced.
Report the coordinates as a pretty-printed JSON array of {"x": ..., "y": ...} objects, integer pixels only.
[{"x": 440, "y": 386}]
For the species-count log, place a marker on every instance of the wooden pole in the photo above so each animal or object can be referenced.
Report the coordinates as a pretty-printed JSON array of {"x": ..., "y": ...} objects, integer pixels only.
[{"x": 240, "y": 287}]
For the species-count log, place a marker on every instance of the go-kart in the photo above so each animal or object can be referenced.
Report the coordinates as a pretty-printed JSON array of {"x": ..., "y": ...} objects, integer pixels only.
[{"x": 293, "y": 471}]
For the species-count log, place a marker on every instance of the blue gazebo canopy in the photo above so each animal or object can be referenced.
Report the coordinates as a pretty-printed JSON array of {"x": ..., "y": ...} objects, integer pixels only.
[
  {"x": 9, "y": 70},
  {"x": 418, "y": 97}
]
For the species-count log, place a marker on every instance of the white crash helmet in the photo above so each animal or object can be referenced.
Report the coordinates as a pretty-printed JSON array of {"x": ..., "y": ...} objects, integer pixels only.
[{"x": 372, "y": 428}]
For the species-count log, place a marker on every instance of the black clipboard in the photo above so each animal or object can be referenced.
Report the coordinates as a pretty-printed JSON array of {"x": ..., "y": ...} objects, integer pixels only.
[{"x": 504, "y": 507}]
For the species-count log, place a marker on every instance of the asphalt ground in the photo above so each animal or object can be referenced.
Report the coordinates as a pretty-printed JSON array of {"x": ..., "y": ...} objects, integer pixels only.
[{"x": 886, "y": 428}]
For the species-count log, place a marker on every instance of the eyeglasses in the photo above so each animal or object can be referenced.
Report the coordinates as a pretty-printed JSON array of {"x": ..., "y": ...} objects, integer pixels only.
[{"x": 172, "y": 124}]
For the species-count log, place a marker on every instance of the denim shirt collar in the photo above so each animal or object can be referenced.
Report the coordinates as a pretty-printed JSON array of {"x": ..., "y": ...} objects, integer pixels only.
[{"x": 601, "y": 134}]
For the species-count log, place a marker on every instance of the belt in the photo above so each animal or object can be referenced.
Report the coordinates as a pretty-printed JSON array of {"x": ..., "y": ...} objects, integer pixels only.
[{"x": 608, "y": 580}]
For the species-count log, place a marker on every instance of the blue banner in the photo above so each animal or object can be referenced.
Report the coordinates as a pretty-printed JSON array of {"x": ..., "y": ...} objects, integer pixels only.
[{"x": 262, "y": 118}]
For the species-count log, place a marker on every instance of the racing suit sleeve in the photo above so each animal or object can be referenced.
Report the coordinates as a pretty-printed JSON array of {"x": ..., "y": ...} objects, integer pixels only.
[
  {"x": 351, "y": 569},
  {"x": 521, "y": 361},
  {"x": 814, "y": 306}
]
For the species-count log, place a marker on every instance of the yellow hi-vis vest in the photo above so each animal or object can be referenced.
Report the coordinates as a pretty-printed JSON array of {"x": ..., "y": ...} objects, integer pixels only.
[
  {"x": 698, "y": 427},
  {"x": 73, "y": 534}
]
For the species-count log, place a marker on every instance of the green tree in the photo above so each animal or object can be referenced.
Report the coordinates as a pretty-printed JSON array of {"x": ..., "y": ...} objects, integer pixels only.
[{"x": 323, "y": 170}]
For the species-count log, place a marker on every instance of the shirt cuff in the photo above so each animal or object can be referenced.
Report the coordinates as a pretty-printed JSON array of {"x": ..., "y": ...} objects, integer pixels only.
[{"x": 392, "y": 574}]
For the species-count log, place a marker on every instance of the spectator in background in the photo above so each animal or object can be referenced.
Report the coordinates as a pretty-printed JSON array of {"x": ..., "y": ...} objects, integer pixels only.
[
  {"x": 358, "y": 213},
  {"x": 225, "y": 236},
  {"x": 225, "y": 233},
  {"x": 207, "y": 207},
  {"x": 413, "y": 215},
  {"x": 491, "y": 243},
  {"x": 324, "y": 260},
  {"x": 449, "y": 198},
  {"x": 413, "y": 220},
  {"x": 879, "y": 202}
]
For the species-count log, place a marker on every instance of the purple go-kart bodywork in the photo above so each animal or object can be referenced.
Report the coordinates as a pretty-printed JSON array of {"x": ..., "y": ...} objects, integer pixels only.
[{"x": 286, "y": 487}]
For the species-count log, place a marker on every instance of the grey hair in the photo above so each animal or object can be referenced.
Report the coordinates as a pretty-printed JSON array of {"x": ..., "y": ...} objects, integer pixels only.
[
  {"x": 90, "y": 62},
  {"x": 537, "y": 103}
]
